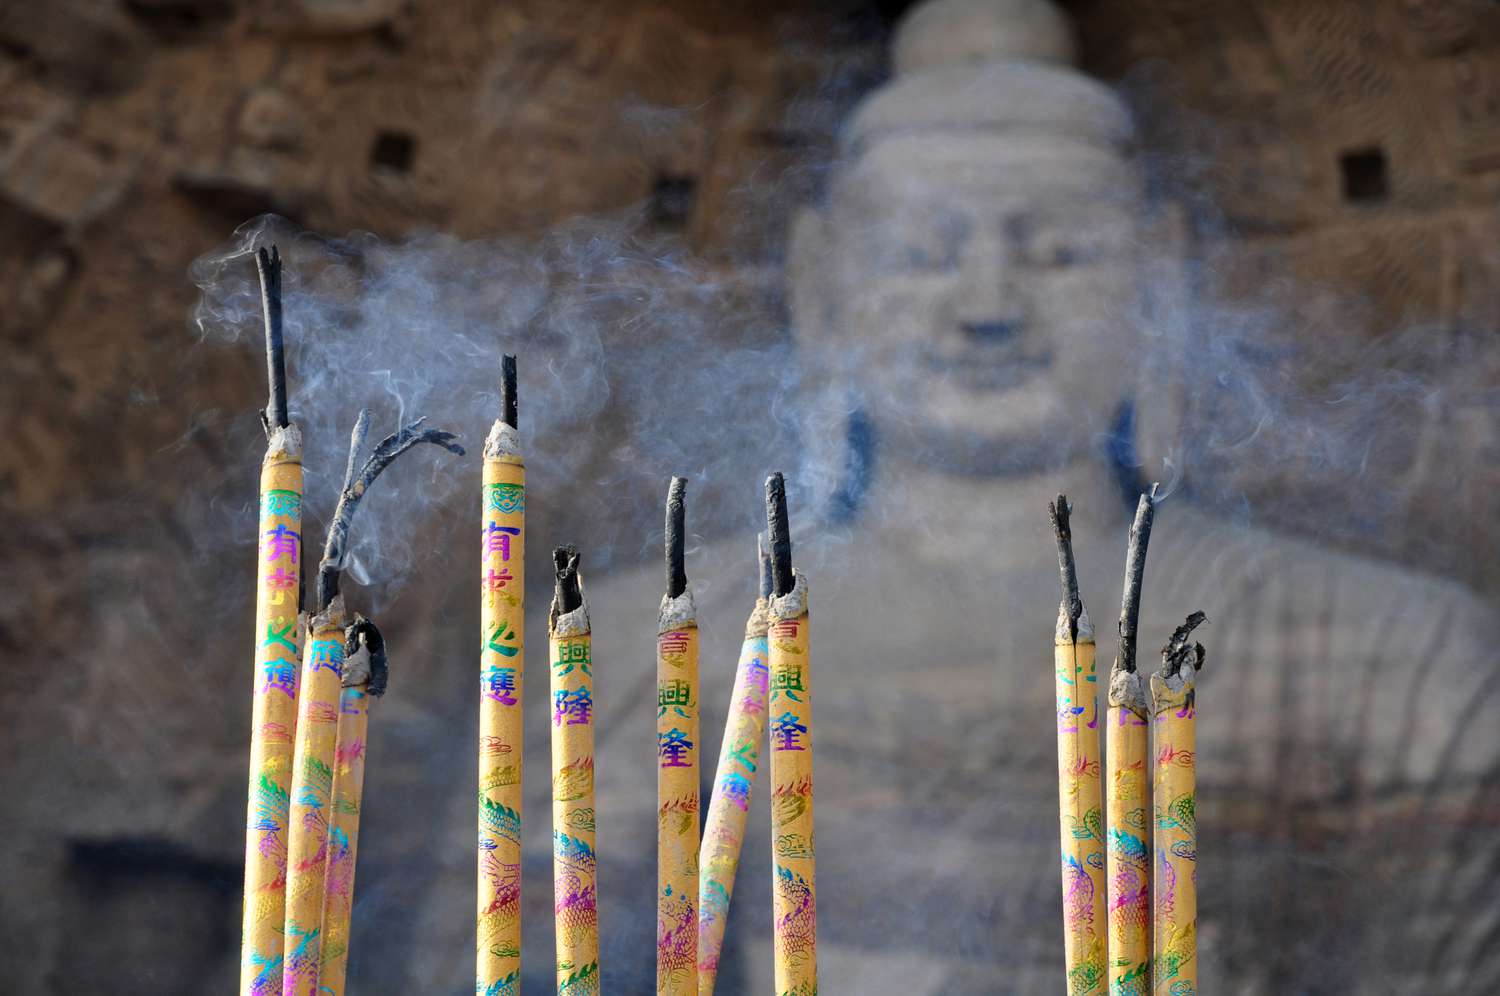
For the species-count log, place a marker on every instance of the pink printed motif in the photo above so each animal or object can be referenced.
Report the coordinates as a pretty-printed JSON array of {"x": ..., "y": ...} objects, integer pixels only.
[
  {"x": 1078, "y": 896},
  {"x": 676, "y": 937},
  {"x": 573, "y": 886},
  {"x": 505, "y": 888},
  {"x": 797, "y": 929}
]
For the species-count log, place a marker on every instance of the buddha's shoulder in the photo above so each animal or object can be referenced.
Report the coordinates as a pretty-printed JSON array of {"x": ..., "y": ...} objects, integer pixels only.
[{"x": 1303, "y": 582}]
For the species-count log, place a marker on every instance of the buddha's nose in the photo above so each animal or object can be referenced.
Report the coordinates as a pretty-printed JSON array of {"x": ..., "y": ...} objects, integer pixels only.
[{"x": 989, "y": 305}]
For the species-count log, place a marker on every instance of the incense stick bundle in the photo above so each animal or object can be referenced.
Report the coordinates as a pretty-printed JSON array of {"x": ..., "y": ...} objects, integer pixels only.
[
  {"x": 318, "y": 713},
  {"x": 739, "y": 755},
  {"x": 501, "y": 673},
  {"x": 312, "y": 788},
  {"x": 364, "y": 676},
  {"x": 794, "y": 896},
  {"x": 278, "y": 605},
  {"x": 677, "y": 767},
  {"x": 574, "y": 864},
  {"x": 1174, "y": 704},
  {"x": 1129, "y": 853},
  {"x": 1082, "y": 824}
]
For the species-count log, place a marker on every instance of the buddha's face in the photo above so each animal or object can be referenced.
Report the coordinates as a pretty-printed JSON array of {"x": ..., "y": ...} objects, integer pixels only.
[{"x": 978, "y": 289}]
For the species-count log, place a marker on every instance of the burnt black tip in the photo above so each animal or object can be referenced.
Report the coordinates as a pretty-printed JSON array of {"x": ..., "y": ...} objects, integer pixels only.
[
  {"x": 676, "y": 527},
  {"x": 268, "y": 268},
  {"x": 763, "y": 555},
  {"x": 508, "y": 406},
  {"x": 779, "y": 530},
  {"x": 380, "y": 670},
  {"x": 1179, "y": 649},
  {"x": 1067, "y": 568},
  {"x": 566, "y": 596},
  {"x": 1135, "y": 573}
]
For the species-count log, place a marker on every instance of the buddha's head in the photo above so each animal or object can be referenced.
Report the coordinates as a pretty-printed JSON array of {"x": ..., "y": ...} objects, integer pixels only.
[{"x": 973, "y": 268}]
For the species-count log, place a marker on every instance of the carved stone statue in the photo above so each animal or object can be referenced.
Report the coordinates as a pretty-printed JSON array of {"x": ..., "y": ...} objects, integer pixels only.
[{"x": 971, "y": 286}]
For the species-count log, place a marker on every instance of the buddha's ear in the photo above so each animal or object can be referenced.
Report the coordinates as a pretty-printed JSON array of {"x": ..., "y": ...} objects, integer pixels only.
[{"x": 809, "y": 275}]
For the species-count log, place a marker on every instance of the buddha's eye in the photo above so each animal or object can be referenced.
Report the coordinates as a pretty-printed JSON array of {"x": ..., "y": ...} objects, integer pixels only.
[
  {"x": 920, "y": 243},
  {"x": 1060, "y": 249}
]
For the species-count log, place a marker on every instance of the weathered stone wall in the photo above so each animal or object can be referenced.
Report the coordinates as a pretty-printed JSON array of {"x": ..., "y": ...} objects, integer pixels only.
[
  {"x": 135, "y": 136},
  {"x": 1350, "y": 150},
  {"x": 1339, "y": 163}
]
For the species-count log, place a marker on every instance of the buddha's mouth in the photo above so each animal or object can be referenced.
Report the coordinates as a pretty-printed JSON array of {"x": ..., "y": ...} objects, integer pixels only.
[{"x": 996, "y": 365}]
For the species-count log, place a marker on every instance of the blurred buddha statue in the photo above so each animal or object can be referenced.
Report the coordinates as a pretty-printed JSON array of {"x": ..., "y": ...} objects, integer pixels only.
[{"x": 972, "y": 289}]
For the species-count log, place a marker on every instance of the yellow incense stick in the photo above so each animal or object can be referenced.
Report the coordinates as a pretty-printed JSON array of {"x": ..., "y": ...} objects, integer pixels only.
[
  {"x": 739, "y": 757},
  {"x": 502, "y": 668},
  {"x": 789, "y": 712},
  {"x": 274, "y": 711},
  {"x": 574, "y": 864},
  {"x": 1129, "y": 854},
  {"x": 677, "y": 768},
  {"x": 1175, "y": 923},
  {"x": 1079, "y": 797},
  {"x": 1126, "y": 789},
  {"x": 312, "y": 791},
  {"x": 363, "y": 678},
  {"x": 278, "y": 626},
  {"x": 318, "y": 711}
]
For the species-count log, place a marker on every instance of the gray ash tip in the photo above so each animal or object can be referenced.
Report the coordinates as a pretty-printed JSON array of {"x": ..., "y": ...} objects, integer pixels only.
[
  {"x": 676, "y": 540},
  {"x": 566, "y": 595},
  {"x": 508, "y": 404},
  {"x": 1179, "y": 650},
  {"x": 1067, "y": 568},
  {"x": 778, "y": 528}
]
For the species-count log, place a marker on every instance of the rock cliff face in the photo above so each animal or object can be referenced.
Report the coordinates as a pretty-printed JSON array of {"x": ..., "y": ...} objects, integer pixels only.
[{"x": 1361, "y": 153}]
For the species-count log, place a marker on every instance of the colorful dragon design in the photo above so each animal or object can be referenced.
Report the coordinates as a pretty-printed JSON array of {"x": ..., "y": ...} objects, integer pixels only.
[
  {"x": 676, "y": 936},
  {"x": 508, "y": 986},
  {"x": 1078, "y": 896},
  {"x": 798, "y": 928},
  {"x": 1130, "y": 902},
  {"x": 574, "y": 896},
  {"x": 498, "y": 820},
  {"x": 584, "y": 982}
]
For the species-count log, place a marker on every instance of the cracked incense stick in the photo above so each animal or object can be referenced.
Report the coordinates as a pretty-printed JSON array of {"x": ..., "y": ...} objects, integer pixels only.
[
  {"x": 318, "y": 713},
  {"x": 739, "y": 755},
  {"x": 278, "y": 604},
  {"x": 677, "y": 767},
  {"x": 789, "y": 713},
  {"x": 575, "y": 907},
  {"x": 364, "y": 676},
  {"x": 1175, "y": 888},
  {"x": 501, "y": 670},
  {"x": 1127, "y": 735},
  {"x": 1080, "y": 818}
]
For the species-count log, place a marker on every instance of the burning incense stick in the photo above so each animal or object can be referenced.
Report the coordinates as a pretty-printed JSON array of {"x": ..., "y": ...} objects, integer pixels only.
[
  {"x": 1174, "y": 704},
  {"x": 1129, "y": 853},
  {"x": 318, "y": 713},
  {"x": 724, "y": 834},
  {"x": 574, "y": 868},
  {"x": 278, "y": 605},
  {"x": 502, "y": 668},
  {"x": 365, "y": 674},
  {"x": 1082, "y": 825},
  {"x": 677, "y": 767},
  {"x": 795, "y": 893}
]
